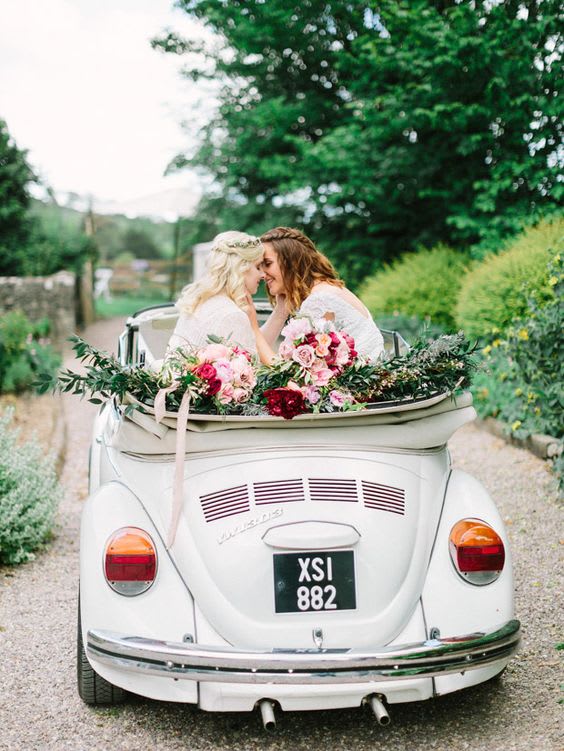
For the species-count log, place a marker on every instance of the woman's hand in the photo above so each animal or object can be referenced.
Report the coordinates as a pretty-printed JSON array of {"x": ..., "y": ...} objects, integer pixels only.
[{"x": 251, "y": 312}]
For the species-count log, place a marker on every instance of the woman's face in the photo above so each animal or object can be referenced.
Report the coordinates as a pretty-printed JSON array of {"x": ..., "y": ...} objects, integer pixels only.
[
  {"x": 272, "y": 271},
  {"x": 253, "y": 276}
]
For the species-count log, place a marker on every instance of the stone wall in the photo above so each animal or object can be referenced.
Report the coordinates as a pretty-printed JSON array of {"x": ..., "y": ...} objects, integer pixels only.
[{"x": 52, "y": 297}]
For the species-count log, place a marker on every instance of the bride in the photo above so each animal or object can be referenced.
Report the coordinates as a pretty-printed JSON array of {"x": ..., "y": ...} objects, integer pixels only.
[
  {"x": 302, "y": 280},
  {"x": 221, "y": 302}
]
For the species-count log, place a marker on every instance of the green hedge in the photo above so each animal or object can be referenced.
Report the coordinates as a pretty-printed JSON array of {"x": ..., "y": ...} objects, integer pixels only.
[
  {"x": 24, "y": 352},
  {"x": 497, "y": 290},
  {"x": 521, "y": 382},
  {"x": 29, "y": 495},
  {"x": 423, "y": 284}
]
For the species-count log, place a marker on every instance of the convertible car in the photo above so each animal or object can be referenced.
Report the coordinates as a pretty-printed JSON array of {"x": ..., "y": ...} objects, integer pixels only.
[{"x": 328, "y": 561}]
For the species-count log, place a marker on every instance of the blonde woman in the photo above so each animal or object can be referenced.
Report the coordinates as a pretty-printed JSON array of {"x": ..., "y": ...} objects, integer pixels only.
[{"x": 221, "y": 302}]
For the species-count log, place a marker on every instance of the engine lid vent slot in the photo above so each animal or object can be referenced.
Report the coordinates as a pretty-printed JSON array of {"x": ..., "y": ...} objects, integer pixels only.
[
  {"x": 224, "y": 503},
  {"x": 383, "y": 497},
  {"x": 278, "y": 491},
  {"x": 331, "y": 489}
]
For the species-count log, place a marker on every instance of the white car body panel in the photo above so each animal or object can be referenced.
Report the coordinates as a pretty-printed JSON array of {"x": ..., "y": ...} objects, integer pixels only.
[{"x": 392, "y": 506}]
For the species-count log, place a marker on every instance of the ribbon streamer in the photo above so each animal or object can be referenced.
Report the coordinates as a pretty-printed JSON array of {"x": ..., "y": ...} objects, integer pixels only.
[{"x": 181, "y": 422}]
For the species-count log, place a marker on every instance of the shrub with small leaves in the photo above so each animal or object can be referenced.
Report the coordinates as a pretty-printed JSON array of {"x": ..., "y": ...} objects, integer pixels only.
[
  {"x": 25, "y": 351},
  {"x": 521, "y": 382},
  {"x": 423, "y": 284},
  {"x": 29, "y": 495}
]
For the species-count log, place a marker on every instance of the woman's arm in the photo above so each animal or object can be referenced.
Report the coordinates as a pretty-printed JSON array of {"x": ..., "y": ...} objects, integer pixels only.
[
  {"x": 274, "y": 324},
  {"x": 264, "y": 350}
]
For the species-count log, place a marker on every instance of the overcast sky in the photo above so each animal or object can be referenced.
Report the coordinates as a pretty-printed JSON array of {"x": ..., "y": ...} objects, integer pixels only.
[{"x": 97, "y": 108}]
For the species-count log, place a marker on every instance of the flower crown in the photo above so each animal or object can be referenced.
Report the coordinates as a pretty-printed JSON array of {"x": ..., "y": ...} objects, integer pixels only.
[{"x": 227, "y": 246}]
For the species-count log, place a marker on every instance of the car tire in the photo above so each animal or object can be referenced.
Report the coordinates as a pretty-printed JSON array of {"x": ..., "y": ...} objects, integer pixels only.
[{"x": 92, "y": 688}]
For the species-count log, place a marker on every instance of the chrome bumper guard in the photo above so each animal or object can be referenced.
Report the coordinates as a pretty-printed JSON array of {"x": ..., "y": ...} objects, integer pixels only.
[{"x": 300, "y": 666}]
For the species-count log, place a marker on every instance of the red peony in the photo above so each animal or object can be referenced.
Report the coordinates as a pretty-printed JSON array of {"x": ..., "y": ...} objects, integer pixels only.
[
  {"x": 284, "y": 402},
  {"x": 214, "y": 385}
]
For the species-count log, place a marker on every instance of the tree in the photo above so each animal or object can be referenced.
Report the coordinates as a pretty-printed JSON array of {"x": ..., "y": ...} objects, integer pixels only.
[
  {"x": 140, "y": 244},
  {"x": 384, "y": 125},
  {"x": 16, "y": 227}
]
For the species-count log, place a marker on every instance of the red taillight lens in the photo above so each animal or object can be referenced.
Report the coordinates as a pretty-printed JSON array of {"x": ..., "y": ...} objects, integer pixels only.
[
  {"x": 130, "y": 562},
  {"x": 477, "y": 551}
]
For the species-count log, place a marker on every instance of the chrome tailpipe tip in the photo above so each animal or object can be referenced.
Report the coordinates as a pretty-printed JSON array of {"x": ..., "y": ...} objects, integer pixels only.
[
  {"x": 376, "y": 704},
  {"x": 266, "y": 707}
]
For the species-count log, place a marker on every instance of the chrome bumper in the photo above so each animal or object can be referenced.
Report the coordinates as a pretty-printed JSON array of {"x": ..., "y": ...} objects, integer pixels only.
[{"x": 300, "y": 666}]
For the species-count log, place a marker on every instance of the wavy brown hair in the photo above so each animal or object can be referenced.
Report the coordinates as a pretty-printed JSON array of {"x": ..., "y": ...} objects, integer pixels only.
[{"x": 301, "y": 264}]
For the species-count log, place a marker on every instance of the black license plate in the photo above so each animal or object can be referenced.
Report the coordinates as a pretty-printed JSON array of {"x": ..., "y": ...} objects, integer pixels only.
[{"x": 314, "y": 581}]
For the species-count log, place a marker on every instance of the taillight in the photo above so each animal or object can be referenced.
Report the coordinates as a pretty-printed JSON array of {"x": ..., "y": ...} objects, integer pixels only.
[
  {"x": 130, "y": 561},
  {"x": 477, "y": 551}
]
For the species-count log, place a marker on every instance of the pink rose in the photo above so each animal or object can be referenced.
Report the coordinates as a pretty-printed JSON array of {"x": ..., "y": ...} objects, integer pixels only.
[
  {"x": 337, "y": 398},
  {"x": 321, "y": 376},
  {"x": 205, "y": 371},
  {"x": 240, "y": 395},
  {"x": 225, "y": 396},
  {"x": 311, "y": 394},
  {"x": 304, "y": 355},
  {"x": 286, "y": 349},
  {"x": 342, "y": 354},
  {"x": 323, "y": 342}
]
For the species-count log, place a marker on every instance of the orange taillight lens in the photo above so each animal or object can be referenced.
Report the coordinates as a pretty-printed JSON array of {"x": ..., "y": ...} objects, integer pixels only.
[
  {"x": 130, "y": 561},
  {"x": 477, "y": 551}
]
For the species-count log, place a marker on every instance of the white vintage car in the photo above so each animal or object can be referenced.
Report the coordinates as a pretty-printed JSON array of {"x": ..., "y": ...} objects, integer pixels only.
[{"x": 323, "y": 562}]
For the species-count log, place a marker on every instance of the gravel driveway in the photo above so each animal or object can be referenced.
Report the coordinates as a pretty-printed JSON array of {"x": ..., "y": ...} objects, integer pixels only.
[{"x": 40, "y": 708}]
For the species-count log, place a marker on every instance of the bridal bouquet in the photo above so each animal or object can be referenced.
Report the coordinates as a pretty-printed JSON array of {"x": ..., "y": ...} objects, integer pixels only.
[
  {"x": 305, "y": 378},
  {"x": 218, "y": 376},
  {"x": 317, "y": 370}
]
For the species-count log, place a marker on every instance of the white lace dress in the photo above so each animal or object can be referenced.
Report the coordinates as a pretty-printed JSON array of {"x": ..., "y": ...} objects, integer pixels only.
[
  {"x": 218, "y": 315},
  {"x": 367, "y": 336}
]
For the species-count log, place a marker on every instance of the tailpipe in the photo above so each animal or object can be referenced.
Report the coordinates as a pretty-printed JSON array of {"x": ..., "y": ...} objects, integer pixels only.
[
  {"x": 266, "y": 707},
  {"x": 376, "y": 704}
]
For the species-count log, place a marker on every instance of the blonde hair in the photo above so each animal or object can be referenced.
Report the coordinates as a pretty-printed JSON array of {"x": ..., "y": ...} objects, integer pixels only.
[{"x": 230, "y": 257}]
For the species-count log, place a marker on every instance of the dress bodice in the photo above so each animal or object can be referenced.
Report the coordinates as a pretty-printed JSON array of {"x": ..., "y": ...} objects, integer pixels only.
[
  {"x": 367, "y": 336},
  {"x": 218, "y": 315}
]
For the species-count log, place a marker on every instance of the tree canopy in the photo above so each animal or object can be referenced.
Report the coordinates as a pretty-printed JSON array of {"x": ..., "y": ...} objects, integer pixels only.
[
  {"x": 381, "y": 126},
  {"x": 16, "y": 227}
]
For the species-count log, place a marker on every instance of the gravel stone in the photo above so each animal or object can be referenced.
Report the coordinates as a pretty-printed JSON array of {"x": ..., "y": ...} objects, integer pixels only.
[{"x": 40, "y": 708}]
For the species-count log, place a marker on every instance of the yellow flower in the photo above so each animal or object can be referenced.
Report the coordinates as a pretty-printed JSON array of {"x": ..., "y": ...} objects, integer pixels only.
[
  {"x": 531, "y": 396},
  {"x": 487, "y": 350},
  {"x": 553, "y": 281},
  {"x": 483, "y": 393},
  {"x": 503, "y": 376},
  {"x": 518, "y": 392},
  {"x": 537, "y": 410},
  {"x": 523, "y": 334},
  {"x": 516, "y": 425},
  {"x": 496, "y": 342}
]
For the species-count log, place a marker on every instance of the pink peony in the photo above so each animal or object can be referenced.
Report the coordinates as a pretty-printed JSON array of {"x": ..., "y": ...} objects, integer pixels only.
[
  {"x": 213, "y": 352},
  {"x": 240, "y": 395},
  {"x": 224, "y": 370},
  {"x": 304, "y": 355},
  {"x": 296, "y": 328},
  {"x": 342, "y": 354}
]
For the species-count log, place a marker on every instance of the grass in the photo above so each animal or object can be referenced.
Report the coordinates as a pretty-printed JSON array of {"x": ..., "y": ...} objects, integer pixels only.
[{"x": 123, "y": 306}]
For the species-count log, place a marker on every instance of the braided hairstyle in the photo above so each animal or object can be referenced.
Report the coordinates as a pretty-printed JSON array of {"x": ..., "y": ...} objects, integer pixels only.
[{"x": 301, "y": 264}]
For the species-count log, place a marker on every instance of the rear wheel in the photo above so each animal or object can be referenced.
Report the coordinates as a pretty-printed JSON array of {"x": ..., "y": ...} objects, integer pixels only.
[{"x": 92, "y": 688}]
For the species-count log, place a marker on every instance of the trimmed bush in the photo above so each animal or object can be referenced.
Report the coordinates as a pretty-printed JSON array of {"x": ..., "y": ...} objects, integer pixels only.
[
  {"x": 497, "y": 290},
  {"x": 29, "y": 495},
  {"x": 24, "y": 352},
  {"x": 521, "y": 382},
  {"x": 423, "y": 284}
]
